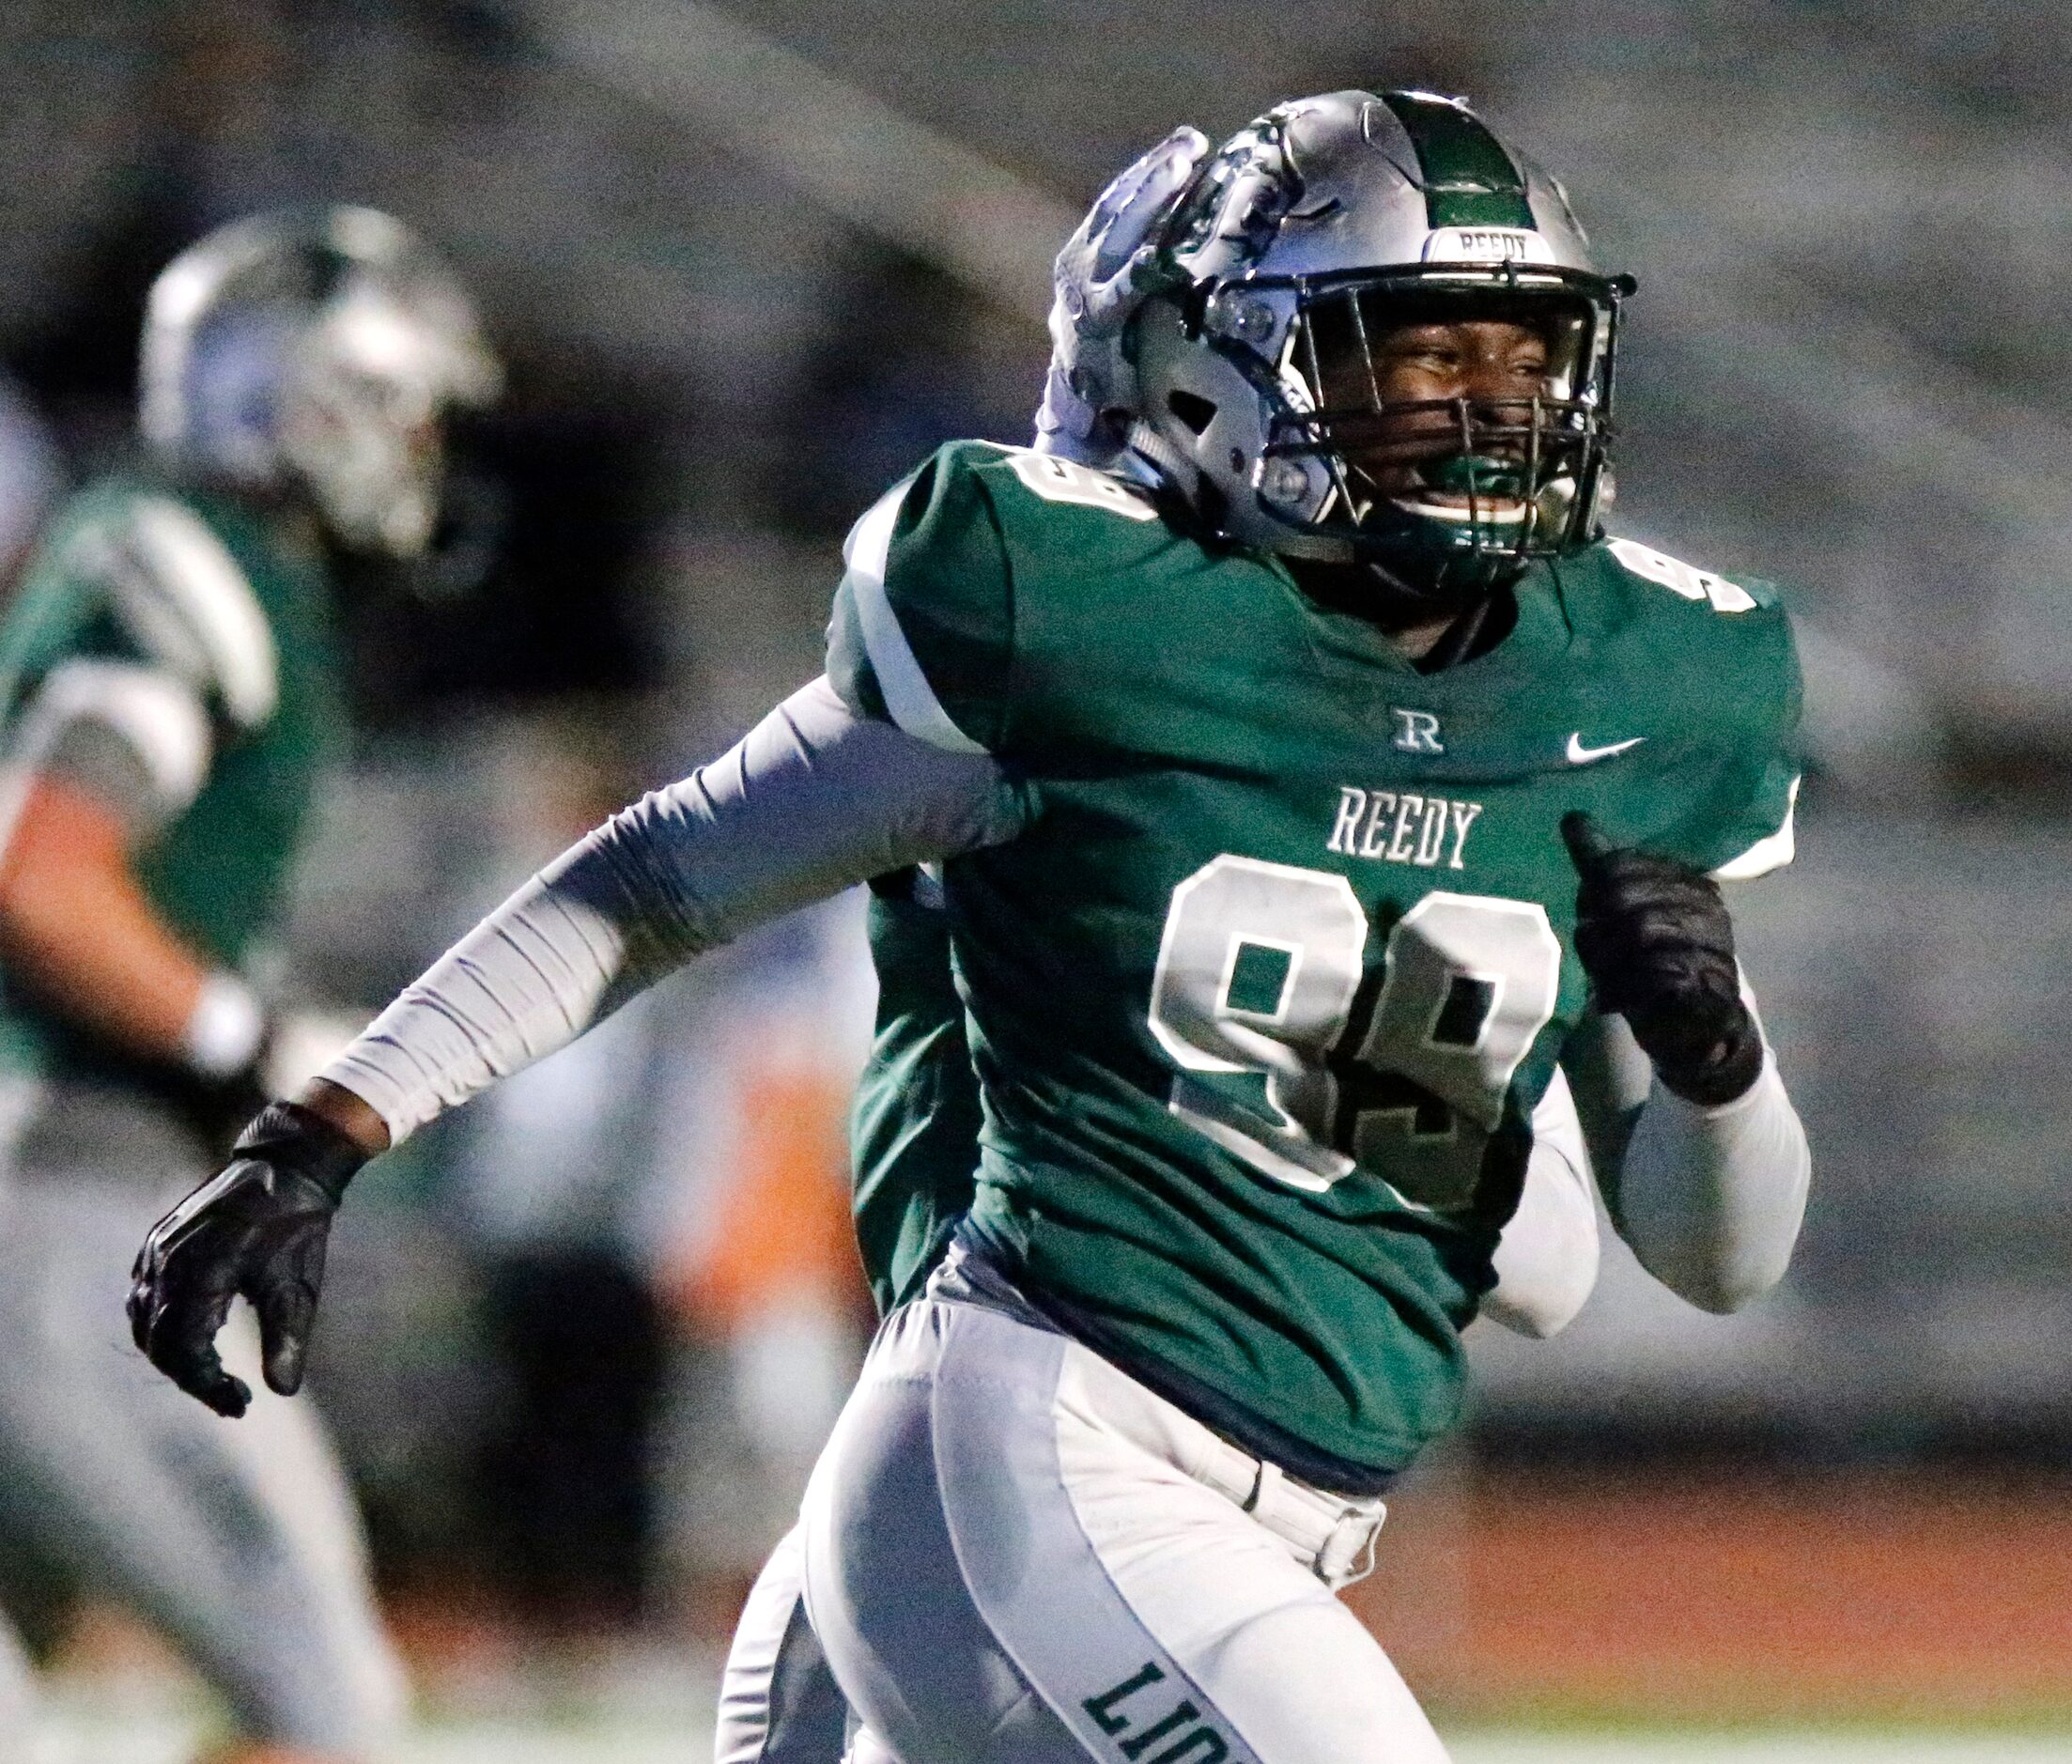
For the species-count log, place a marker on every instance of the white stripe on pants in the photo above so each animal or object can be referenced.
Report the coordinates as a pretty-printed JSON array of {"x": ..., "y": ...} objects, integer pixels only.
[
  {"x": 1011, "y": 1558},
  {"x": 779, "y": 1703}
]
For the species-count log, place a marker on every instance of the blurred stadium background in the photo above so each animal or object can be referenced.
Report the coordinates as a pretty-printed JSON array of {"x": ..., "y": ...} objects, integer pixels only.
[{"x": 747, "y": 263}]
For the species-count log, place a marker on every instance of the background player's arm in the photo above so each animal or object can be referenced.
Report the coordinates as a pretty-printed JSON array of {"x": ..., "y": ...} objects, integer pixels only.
[
  {"x": 77, "y": 927},
  {"x": 1710, "y": 1199},
  {"x": 111, "y": 754}
]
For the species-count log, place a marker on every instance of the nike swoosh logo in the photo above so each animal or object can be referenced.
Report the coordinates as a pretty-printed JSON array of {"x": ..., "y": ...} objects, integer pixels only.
[{"x": 1581, "y": 755}]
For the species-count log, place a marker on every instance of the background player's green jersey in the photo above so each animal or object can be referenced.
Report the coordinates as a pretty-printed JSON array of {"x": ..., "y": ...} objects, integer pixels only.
[
  {"x": 223, "y": 603},
  {"x": 1263, "y": 995},
  {"x": 913, "y": 1127}
]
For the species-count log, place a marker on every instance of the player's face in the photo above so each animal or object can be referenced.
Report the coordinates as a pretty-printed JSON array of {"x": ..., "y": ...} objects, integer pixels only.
[{"x": 1416, "y": 379}]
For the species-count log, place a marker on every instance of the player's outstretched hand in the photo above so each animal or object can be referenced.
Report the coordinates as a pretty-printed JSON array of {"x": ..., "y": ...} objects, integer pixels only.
[
  {"x": 1103, "y": 274},
  {"x": 1654, "y": 937},
  {"x": 256, "y": 1231}
]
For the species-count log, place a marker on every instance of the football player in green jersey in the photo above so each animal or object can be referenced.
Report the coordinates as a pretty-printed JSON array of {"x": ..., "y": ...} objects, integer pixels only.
[
  {"x": 1297, "y": 788},
  {"x": 914, "y": 1132},
  {"x": 168, "y": 693}
]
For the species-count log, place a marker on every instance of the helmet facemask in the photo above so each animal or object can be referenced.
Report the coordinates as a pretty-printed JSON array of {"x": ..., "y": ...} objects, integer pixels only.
[
  {"x": 1264, "y": 375},
  {"x": 1447, "y": 496},
  {"x": 362, "y": 423}
]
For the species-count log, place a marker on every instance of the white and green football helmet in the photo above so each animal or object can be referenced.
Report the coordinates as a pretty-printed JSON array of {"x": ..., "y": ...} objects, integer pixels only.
[
  {"x": 315, "y": 351},
  {"x": 1314, "y": 231}
]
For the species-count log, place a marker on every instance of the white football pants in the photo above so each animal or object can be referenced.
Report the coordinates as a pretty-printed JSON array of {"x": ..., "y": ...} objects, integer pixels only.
[{"x": 1016, "y": 1554}]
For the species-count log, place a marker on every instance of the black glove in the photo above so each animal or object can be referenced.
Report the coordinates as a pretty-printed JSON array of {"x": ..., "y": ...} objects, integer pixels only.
[
  {"x": 218, "y": 1110},
  {"x": 1654, "y": 937},
  {"x": 257, "y": 1229}
]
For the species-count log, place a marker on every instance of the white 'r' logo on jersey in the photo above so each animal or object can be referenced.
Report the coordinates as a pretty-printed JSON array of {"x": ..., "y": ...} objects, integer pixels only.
[{"x": 1416, "y": 731}]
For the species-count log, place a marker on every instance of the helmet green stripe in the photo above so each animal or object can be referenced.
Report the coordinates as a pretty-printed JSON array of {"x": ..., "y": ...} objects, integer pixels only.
[{"x": 1469, "y": 180}]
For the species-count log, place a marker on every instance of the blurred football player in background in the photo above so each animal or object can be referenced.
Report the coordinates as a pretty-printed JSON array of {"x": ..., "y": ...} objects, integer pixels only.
[{"x": 168, "y": 700}]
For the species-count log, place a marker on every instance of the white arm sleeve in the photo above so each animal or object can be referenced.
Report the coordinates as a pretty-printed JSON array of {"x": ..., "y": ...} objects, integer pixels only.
[
  {"x": 1711, "y": 1200},
  {"x": 1546, "y": 1258},
  {"x": 812, "y": 800},
  {"x": 137, "y": 737}
]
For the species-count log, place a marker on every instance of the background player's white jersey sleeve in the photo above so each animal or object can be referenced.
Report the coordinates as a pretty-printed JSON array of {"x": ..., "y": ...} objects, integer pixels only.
[
  {"x": 137, "y": 737},
  {"x": 815, "y": 799},
  {"x": 1709, "y": 1199},
  {"x": 186, "y": 603}
]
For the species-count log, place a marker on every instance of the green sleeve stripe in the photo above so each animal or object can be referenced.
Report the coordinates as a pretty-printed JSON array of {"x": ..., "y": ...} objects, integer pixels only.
[
  {"x": 1772, "y": 852},
  {"x": 908, "y": 697}
]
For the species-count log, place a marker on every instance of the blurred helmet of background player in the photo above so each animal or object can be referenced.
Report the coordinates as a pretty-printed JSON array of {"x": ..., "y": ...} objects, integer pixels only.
[
  {"x": 168, "y": 701},
  {"x": 313, "y": 355}
]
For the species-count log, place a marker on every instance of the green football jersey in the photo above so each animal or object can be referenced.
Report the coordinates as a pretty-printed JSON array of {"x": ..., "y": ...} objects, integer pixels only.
[
  {"x": 200, "y": 589},
  {"x": 1264, "y": 992},
  {"x": 914, "y": 1125}
]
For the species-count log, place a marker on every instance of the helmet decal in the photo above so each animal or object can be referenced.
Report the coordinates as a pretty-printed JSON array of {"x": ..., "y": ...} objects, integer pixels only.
[{"x": 1469, "y": 180}]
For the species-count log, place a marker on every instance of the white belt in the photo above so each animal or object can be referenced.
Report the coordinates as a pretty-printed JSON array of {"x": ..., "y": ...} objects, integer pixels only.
[{"x": 1333, "y": 1533}]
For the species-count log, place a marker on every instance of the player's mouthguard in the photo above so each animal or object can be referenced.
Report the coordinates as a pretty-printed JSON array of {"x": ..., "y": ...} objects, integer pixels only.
[{"x": 1468, "y": 487}]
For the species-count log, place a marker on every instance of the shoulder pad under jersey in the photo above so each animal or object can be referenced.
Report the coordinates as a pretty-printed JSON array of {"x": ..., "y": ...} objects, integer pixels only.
[{"x": 172, "y": 585}]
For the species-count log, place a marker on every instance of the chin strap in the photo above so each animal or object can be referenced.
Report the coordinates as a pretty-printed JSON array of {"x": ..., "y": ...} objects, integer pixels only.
[{"x": 1150, "y": 459}]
